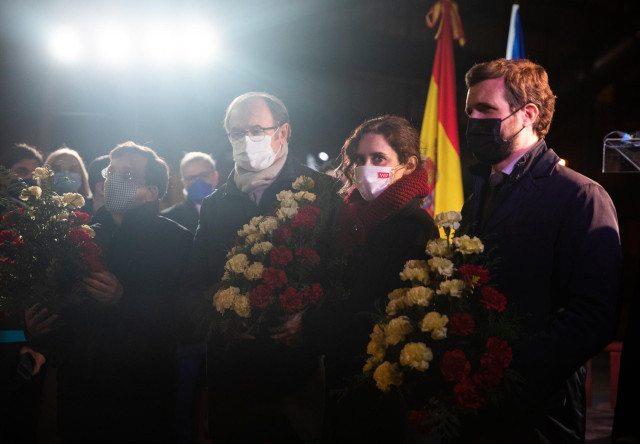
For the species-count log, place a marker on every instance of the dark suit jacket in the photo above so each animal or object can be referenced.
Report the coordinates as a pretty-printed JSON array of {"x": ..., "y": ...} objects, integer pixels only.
[
  {"x": 555, "y": 235},
  {"x": 185, "y": 213}
]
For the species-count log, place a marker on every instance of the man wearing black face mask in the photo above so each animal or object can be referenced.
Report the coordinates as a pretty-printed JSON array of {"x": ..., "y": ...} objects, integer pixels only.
[
  {"x": 199, "y": 179},
  {"x": 555, "y": 235}
]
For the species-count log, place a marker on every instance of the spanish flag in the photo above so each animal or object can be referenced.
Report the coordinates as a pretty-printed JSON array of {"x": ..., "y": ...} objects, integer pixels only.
[{"x": 439, "y": 143}]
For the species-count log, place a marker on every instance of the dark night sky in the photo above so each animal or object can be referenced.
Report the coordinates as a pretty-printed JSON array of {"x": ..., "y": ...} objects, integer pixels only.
[{"x": 333, "y": 62}]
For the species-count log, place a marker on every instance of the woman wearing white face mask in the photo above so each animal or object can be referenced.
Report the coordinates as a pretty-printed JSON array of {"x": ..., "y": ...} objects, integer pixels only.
[{"x": 382, "y": 225}]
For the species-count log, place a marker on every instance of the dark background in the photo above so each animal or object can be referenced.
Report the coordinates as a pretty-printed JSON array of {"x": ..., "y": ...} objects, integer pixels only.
[{"x": 334, "y": 63}]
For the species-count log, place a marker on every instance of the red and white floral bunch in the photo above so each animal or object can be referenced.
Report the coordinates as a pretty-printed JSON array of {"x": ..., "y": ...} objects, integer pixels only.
[
  {"x": 446, "y": 341},
  {"x": 276, "y": 269},
  {"x": 46, "y": 247}
]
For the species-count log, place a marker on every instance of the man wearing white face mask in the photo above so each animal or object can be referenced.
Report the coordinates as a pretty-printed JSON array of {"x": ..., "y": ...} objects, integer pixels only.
[{"x": 245, "y": 405}]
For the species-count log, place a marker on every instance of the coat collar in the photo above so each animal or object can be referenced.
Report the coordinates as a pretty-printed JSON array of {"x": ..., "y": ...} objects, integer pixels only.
[{"x": 537, "y": 163}]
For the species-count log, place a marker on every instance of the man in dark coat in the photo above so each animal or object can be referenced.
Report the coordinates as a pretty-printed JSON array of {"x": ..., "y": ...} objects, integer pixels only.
[
  {"x": 555, "y": 235},
  {"x": 117, "y": 352},
  {"x": 199, "y": 179},
  {"x": 256, "y": 386}
]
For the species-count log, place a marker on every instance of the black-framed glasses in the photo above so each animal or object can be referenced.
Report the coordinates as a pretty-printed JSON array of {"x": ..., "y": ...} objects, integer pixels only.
[{"x": 255, "y": 133}]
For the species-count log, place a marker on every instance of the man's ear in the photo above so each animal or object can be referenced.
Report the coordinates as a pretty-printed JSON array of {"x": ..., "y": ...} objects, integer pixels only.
[
  {"x": 531, "y": 112},
  {"x": 283, "y": 133},
  {"x": 151, "y": 193}
]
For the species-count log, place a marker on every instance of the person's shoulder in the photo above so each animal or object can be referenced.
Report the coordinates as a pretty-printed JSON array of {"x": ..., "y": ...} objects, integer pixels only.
[{"x": 171, "y": 227}]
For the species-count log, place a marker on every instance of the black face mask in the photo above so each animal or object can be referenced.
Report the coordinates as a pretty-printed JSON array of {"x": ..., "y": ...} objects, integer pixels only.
[{"x": 485, "y": 142}]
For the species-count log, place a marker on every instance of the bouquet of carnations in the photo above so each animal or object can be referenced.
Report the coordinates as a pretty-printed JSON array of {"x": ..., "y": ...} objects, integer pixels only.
[
  {"x": 446, "y": 341},
  {"x": 46, "y": 247},
  {"x": 281, "y": 265}
]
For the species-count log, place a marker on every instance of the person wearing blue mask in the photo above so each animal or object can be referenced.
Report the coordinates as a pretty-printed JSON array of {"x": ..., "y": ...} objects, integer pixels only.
[
  {"x": 69, "y": 172},
  {"x": 199, "y": 179}
]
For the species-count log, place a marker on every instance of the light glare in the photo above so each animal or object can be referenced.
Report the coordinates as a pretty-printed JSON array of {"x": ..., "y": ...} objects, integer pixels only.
[
  {"x": 113, "y": 45},
  {"x": 65, "y": 45}
]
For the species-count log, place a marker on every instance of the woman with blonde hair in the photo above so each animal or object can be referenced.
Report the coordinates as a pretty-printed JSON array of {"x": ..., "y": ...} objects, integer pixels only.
[{"x": 69, "y": 172}]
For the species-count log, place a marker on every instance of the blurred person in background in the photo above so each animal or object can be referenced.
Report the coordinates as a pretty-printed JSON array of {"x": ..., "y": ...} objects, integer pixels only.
[
  {"x": 199, "y": 179},
  {"x": 96, "y": 184},
  {"x": 69, "y": 172}
]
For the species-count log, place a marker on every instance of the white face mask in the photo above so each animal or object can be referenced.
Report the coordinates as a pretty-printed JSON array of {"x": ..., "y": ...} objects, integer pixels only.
[
  {"x": 371, "y": 181},
  {"x": 253, "y": 156}
]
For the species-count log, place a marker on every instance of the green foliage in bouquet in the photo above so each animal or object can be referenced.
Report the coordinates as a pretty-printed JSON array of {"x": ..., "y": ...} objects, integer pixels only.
[
  {"x": 281, "y": 265},
  {"x": 46, "y": 247},
  {"x": 445, "y": 343}
]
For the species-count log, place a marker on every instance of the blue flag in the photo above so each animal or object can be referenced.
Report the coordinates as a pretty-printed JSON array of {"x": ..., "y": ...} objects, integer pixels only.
[{"x": 515, "y": 42}]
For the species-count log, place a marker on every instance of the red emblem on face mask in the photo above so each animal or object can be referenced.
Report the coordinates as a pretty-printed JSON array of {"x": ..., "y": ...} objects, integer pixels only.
[{"x": 383, "y": 175}]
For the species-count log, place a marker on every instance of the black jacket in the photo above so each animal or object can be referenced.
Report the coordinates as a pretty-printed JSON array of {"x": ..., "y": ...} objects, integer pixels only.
[
  {"x": 555, "y": 235},
  {"x": 185, "y": 213},
  {"x": 117, "y": 364},
  {"x": 247, "y": 379}
]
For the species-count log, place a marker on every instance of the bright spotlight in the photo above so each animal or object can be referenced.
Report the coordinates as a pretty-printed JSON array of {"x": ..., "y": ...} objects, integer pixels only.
[
  {"x": 113, "y": 44},
  {"x": 200, "y": 43},
  {"x": 323, "y": 156},
  {"x": 65, "y": 45},
  {"x": 159, "y": 44}
]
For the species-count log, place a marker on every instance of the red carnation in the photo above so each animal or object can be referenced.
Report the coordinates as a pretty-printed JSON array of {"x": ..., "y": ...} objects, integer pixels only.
[
  {"x": 454, "y": 365},
  {"x": 10, "y": 237},
  {"x": 313, "y": 293},
  {"x": 6, "y": 260},
  {"x": 307, "y": 255},
  {"x": 280, "y": 255},
  {"x": 291, "y": 300},
  {"x": 500, "y": 350},
  {"x": 461, "y": 324},
  {"x": 469, "y": 395},
  {"x": 261, "y": 297},
  {"x": 274, "y": 277},
  {"x": 12, "y": 218},
  {"x": 78, "y": 235},
  {"x": 474, "y": 275},
  {"x": 283, "y": 232},
  {"x": 306, "y": 217},
  {"x": 490, "y": 373},
  {"x": 493, "y": 299},
  {"x": 92, "y": 255},
  {"x": 81, "y": 218}
]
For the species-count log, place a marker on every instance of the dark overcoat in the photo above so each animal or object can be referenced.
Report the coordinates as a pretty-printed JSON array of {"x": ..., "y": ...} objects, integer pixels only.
[{"x": 555, "y": 236}]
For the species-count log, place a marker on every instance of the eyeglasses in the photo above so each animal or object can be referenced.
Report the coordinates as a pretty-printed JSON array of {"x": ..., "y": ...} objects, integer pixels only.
[
  {"x": 255, "y": 133},
  {"x": 107, "y": 173}
]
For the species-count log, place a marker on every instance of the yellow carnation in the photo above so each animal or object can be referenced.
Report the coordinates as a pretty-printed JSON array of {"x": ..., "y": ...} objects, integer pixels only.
[
  {"x": 73, "y": 200},
  {"x": 377, "y": 334},
  {"x": 436, "y": 324},
  {"x": 416, "y": 355},
  {"x": 375, "y": 350},
  {"x": 253, "y": 238},
  {"x": 248, "y": 229},
  {"x": 419, "y": 296},
  {"x": 439, "y": 248},
  {"x": 468, "y": 245},
  {"x": 452, "y": 287},
  {"x": 285, "y": 213},
  {"x": 237, "y": 264},
  {"x": 303, "y": 183},
  {"x": 42, "y": 173},
  {"x": 269, "y": 224},
  {"x": 398, "y": 293},
  {"x": 386, "y": 375},
  {"x": 242, "y": 306},
  {"x": 35, "y": 191},
  {"x": 441, "y": 265},
  {"x": 396, "y": 330},
  {"x": 415, "y": 270},
  {"x": 261, "y": 248},
  {"x": 223, "y": 299},
  {"x": 395, "y": 305},
  {"x": 254, "y": 271},
  {"x": 449, "y": 219}
]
